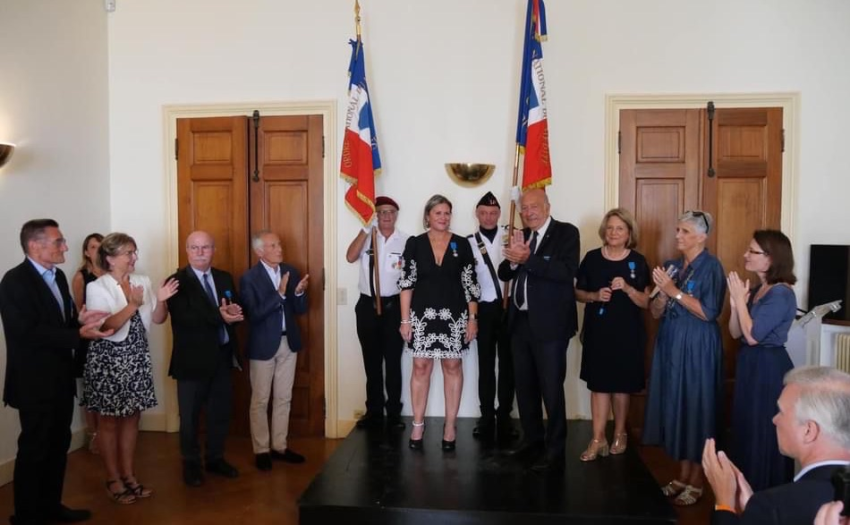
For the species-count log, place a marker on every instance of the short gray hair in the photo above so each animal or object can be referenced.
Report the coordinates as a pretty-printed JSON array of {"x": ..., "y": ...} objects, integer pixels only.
[
  {"x": 824, "y": 399},
  {"x": 257, "y": 239},
  {"x": 702, "y": 220}
]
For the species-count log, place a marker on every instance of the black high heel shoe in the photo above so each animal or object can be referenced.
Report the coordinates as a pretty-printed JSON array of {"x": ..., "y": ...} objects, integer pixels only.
[
  {"x": 449, "y": 446},
  {"x": 416, "y": 444}
]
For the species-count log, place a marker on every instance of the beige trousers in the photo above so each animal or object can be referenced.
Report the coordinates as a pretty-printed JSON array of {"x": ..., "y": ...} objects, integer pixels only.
[{"x": 277, "y": 376}]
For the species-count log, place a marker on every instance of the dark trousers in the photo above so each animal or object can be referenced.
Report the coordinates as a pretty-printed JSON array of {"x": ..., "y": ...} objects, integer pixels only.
[
  {"x": 42, "y": 456},
  {"x": 540, "y": 368},
  {"x": 382, "y": 345},
  {"x": 493, "y": 341},
  {"x": 214, "y": 394}
]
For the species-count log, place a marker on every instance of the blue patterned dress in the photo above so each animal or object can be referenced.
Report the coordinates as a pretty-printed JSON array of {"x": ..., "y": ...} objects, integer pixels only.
[{"x": 685, "y": 384}]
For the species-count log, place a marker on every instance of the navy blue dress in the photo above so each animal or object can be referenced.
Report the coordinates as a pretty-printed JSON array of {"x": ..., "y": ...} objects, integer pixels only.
[
  {"x": 612, "y": 335},
  {"x": 685, "y": 384},
  {"x": 758, "y": 384}
]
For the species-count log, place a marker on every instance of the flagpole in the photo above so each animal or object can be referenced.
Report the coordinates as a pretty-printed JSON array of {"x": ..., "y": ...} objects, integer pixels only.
[{"x": 505, "y": 295}]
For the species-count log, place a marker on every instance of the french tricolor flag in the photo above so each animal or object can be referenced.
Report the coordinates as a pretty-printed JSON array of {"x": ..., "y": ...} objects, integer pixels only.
[
  {"x": 361, "y": 161},
  {"x": 532, "y": 134}
]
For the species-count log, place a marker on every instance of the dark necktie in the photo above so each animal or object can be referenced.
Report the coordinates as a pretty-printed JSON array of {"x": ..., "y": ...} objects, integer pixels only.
[
  {"x": 222, "y": 331},
  {"x": 523, "y": 273}
]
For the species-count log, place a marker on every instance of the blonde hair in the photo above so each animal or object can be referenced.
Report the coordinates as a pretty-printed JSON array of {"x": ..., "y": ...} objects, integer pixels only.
[{"x": 625, "y": 216}]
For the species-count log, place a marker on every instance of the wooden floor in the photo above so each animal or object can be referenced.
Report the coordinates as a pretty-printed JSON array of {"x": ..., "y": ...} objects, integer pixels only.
[{"x": 255, "y": 497}]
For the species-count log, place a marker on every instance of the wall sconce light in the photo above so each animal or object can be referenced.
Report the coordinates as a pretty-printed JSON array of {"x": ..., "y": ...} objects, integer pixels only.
[
  {"x": 6, "y": 151},
  {"x": 469, "y": 174}
]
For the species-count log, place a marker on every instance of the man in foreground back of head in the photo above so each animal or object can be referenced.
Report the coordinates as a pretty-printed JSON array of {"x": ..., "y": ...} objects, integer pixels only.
[{"x": 813, "y": 427}]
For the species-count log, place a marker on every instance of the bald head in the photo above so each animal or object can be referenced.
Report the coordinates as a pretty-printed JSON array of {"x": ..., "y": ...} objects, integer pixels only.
[
  {"x": 200, "y": 248},
  {"x": 534, "y": 208}
]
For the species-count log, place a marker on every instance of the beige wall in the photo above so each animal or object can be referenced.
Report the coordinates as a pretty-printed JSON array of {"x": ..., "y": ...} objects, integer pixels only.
[{"x": 54, "y": 105}]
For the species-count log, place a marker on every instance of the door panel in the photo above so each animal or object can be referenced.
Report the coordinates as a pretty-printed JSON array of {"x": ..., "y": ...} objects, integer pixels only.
[
  {"x": 659, "y": 179},
  {"x": 744, "y": 195},
  {"x": 212, "y": 195},
  {"x": 287, "y": 199}
]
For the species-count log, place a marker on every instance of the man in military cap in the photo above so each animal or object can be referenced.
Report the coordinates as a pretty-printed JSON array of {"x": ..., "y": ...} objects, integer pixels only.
[
  {"x": 380, "y": 339},
  {"x": 493, "y": 338}
]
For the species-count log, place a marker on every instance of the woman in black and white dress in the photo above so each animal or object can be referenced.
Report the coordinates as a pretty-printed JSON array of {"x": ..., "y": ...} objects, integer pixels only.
[
  {"x": 439, "y": 309},
  {"x": 118, "y": 379}
]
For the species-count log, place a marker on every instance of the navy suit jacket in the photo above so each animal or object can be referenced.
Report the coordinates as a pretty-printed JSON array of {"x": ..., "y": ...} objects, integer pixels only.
[
  {"x": 551, "y": 272},
  {"x": 265, "y": 309},
  {"x": 196, "y": 324},
  {"x": 40, "y": 342},
  {"x": 787, "y": 504}
]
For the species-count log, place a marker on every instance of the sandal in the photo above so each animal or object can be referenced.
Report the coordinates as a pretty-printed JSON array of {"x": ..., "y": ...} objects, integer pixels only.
[
  {"x": 689, "y": 496},
  {"x": 137, "y": 489},
  {"x": 619, "y": 444},
  {"x": 595, "y": 448},
  {"x": 674, "y": 488},
  {"x": 125, "y": 497}
]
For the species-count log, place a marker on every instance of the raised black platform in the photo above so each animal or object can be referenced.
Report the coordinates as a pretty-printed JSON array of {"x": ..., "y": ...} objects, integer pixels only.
[{"x": 374, "y": 478}]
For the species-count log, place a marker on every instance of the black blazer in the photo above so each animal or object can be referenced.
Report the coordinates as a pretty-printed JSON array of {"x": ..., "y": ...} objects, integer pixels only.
[
  {"x": 787, "y": 504},
  {"x": 265, "y": 310},
  {"x": 195, "y": 325},
  {"x": 40, "y": 343},
  {"x": 550, "y": 282}
]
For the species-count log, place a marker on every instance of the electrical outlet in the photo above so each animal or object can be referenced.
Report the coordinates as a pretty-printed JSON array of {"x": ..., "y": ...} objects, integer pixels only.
[{"x": 342, "y": 296}]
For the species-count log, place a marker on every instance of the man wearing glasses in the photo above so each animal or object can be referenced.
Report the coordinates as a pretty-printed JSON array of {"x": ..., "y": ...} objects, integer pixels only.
[
  {"x": 203, "y": 312},
  {"x": 43, "y": 330},
  {"x": 379, "y": 337}
]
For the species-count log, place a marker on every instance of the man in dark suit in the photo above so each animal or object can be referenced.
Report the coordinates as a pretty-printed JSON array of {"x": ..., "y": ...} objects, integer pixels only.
[
  {"x": 204, "y": 351},
  {"x": 542, "y": 260},
  {"x": 812, "y": 426},
  {"x": 42, "y": 329},
  {"x": 272, "y": 295}
]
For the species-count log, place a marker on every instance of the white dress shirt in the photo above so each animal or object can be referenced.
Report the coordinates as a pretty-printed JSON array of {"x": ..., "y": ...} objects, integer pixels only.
[
  {"x": 494, "y": 250},
  {"x": 390, "y": 251}
]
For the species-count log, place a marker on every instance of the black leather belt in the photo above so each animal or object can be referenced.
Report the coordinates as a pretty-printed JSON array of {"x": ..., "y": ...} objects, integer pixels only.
[{"x": 388, "y": 302}]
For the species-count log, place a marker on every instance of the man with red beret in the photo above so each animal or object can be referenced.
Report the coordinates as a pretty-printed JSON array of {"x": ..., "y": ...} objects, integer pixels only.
[{"x": 379, "y": 337}]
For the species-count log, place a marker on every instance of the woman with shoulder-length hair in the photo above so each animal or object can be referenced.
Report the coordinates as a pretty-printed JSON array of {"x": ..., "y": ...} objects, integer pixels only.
[
  {"x": 760, "y": 318},
  {"x": 613, "y": 281},
  {"x": 685, "y": 384},
  {"x": 439, "y": 313},
  {"x": 118, "y": 378},
  {"x": 88, "y": 272}
]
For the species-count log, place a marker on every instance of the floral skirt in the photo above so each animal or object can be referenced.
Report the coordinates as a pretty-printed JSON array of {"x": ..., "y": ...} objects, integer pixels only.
[{"x": 439, "y": 334}]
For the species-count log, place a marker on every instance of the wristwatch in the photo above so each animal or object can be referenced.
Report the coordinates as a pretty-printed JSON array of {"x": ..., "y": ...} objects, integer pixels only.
[{"x": 678, "y": 296}]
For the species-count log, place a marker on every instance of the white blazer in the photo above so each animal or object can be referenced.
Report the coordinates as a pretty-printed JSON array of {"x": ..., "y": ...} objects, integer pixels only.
[{"x": 105, "y": 294}]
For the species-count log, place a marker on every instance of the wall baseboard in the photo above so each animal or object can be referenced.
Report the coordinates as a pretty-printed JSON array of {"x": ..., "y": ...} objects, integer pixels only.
[{"x": 7, "y": 469}]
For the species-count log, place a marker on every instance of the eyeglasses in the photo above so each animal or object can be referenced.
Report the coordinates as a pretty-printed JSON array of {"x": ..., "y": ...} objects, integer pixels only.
[
  {"x": 131, "y": 253},
  {"x": 203, "y": 248},
  {"x": 386, "y": 213},
  {"x": 56, "y": 242},
  {"x": 702, "y": 216}
]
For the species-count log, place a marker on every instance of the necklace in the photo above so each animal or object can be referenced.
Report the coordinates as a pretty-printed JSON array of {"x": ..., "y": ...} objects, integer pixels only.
[{"x": 615, "y": 258}]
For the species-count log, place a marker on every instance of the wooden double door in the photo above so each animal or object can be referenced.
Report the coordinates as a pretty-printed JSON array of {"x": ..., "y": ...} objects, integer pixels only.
[
  {"x": 241, "y": 174},
  {"x": 726, "y": 161}
]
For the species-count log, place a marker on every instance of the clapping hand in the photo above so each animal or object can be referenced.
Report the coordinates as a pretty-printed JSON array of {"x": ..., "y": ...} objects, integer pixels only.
[
  {"x": 739, "y": 292},
  {"x": 167, "y": 290},
  {"x": 663, "y": 281},
  {"x": 137, "y": 295},
  {"x": 301, "y": 287},
  {"x": 231, "y": 313},
  {"x": 728, "y": 484},
  {"x": 830, "y": 514},
  {"x": 603, "y": 295},
  {"x": 91, "y": 321},
  {"x": 518, "y": 251}
]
